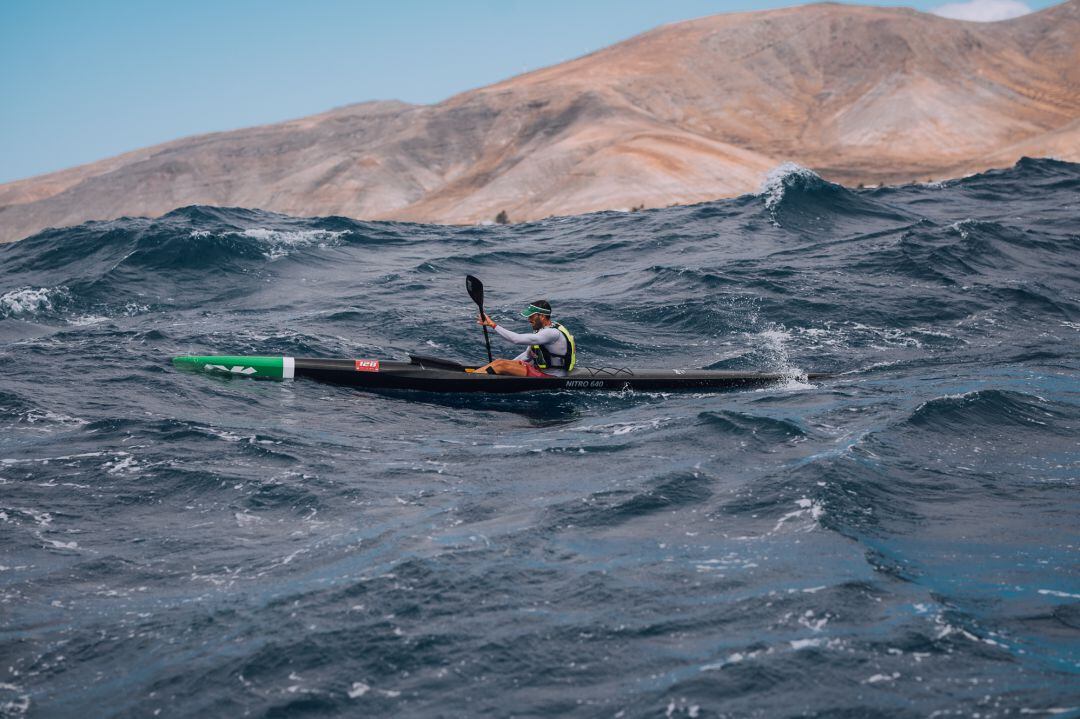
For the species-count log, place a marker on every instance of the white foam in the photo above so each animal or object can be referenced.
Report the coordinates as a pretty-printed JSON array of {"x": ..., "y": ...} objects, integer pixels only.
[
  {"x": 736, "y": 658},
  {"x": 882, "y": 678},
  {"x": 359, "y": 689},
  {"x": 1056, "y": 593},
  {"x": 41, "y": 519},
  {"x": 19, "y": 705},
  {"x": 46, "y": 417},
  {"x": 132, "y": 308},
  {"x": 223, "y": 434},
  {"x": 283, "y": 241},
  {"x": 730, "y": 561},
  {"x": 886, "y": 337},
  {"x": 807, "y": 507},
  {"x": 779, "y": 179},
  {"x": 288, "y": 558},
  {"x": 86, "y": 320},
  {"x": 962, "y": 226},
  {"x": 293, "y": 237},
  {"x": 124, "y": 463},
  {"x": 617, "y": 428},
  {"x": 811, "y": 622},
  {"x": 46, "y": 460},
  {"x": 944, "y": 629},
  {"x": 29, "y": 301}
]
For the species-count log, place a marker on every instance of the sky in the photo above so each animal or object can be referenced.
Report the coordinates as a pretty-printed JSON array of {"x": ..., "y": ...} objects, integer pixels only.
[{"x": 82, "y": 81}]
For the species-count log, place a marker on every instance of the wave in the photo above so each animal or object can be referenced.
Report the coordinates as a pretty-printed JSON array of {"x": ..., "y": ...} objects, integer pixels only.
[
  {"x": 609, "y": 509},
  {"x": 1029, "y": 176},
  {"x": 796, "y": 198},
  {"x": 984, "y": 409},
  {"x": 767, "y": 430},
  {"x": 208, "y": 239}
]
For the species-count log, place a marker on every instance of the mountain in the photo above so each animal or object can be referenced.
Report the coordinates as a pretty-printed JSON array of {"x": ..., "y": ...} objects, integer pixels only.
[{"x": 684, "y": 113}]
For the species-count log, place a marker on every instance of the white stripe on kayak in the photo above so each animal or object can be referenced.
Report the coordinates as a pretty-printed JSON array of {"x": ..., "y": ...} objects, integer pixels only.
[{"x": 288, "y": 367}]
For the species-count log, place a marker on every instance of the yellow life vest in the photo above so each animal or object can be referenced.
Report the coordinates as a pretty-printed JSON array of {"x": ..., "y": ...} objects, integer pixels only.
[{"x": 545, "y": 359}]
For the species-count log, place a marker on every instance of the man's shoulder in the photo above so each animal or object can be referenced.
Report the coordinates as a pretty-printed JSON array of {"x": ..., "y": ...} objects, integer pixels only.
[{"x": 550, "y": 334}]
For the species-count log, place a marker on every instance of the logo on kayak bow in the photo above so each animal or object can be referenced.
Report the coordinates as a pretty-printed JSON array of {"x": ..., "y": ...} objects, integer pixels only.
[
  {"x": 367, "y": 365},
  {"x": 235, "y": 369}
]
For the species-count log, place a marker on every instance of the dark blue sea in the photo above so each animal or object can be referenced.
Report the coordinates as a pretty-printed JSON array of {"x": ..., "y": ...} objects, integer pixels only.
[{"x": 901, "y": 540}]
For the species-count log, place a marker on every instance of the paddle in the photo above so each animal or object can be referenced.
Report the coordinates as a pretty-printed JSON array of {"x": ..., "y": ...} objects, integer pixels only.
[{"x": 476, "y": 291}]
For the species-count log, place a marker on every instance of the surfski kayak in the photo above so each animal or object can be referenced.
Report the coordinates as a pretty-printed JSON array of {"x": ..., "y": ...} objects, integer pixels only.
[{"x": 431, "y": 374}]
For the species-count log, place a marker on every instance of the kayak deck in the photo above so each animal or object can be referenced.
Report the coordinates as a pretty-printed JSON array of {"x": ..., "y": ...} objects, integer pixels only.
[{"x": 431, "y": 374}]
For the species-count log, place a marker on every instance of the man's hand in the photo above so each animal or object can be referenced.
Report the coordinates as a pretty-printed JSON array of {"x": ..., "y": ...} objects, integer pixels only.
[{"x": 485, "y": 321}]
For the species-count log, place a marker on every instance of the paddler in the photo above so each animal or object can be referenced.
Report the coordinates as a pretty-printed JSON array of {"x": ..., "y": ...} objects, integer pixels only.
[{"x": 551, "y": 352}]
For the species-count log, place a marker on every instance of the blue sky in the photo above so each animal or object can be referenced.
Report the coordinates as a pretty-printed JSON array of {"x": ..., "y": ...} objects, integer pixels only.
[{"x": 84, "y": 80}]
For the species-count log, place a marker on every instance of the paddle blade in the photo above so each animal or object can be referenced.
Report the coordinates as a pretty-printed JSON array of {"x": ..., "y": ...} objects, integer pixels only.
[{"x": 476, "y": 290}]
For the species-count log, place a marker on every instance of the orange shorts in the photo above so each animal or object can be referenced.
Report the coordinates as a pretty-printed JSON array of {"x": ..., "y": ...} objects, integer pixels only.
[{"x": 531, "y": 369}]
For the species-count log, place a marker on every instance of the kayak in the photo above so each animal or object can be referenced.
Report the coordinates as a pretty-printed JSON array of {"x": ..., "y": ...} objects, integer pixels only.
[{"x": 432, "y": 374}]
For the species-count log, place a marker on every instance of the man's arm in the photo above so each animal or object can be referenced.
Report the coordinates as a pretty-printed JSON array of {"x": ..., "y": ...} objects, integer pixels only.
[{"x": 544, "y": 336}]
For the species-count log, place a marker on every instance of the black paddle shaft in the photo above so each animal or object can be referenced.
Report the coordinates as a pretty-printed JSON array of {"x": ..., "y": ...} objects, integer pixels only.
[{"x": 476, "y": 291}]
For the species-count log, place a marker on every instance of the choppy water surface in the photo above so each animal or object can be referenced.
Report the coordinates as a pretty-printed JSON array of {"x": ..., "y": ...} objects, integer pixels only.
[{"x": 900, "y": 540}]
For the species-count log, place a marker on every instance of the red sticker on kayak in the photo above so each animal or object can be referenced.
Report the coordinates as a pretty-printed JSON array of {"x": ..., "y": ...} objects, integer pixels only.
[{"x": 367, "y": 365}]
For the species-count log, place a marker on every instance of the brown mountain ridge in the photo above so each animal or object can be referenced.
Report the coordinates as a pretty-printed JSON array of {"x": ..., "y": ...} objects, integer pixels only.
[{"x": 685, "y": 113}]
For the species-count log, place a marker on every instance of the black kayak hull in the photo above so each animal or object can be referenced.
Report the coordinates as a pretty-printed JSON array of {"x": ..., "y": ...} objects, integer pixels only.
[{"x": 435, "y": 375}]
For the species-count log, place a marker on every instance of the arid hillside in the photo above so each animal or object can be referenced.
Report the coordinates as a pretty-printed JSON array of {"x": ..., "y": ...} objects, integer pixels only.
[{"x": 685, "y": 113}]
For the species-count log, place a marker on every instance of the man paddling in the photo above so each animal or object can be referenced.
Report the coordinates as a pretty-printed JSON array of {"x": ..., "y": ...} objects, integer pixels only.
[{"x": 551, "y": 352}]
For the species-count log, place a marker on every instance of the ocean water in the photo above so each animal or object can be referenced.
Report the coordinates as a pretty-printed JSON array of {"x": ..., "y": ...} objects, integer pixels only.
[{"x": 899, "y": 540}]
